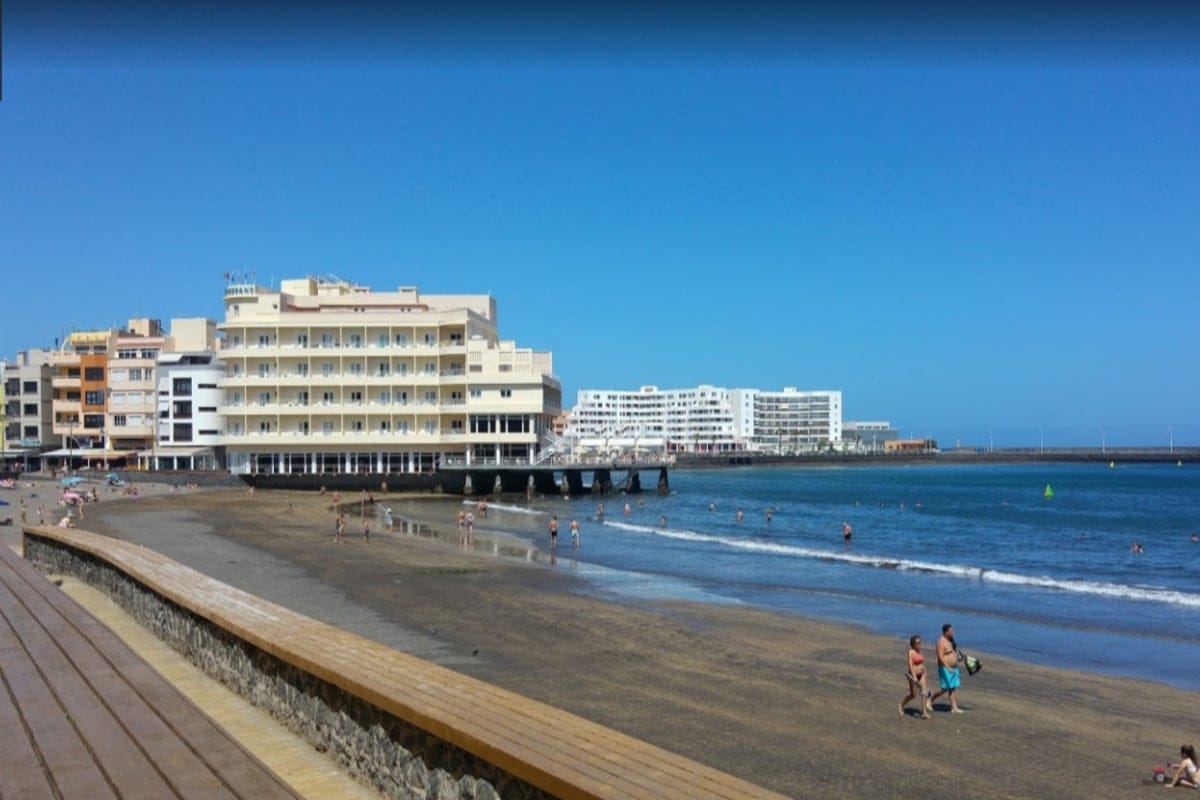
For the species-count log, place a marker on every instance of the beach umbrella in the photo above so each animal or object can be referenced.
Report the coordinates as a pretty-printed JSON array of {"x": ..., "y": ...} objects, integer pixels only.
[{"x": 71, "y": 481}]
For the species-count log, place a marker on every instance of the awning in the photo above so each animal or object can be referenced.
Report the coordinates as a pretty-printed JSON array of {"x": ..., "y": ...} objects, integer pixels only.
[
  {"x": 89, "y": 454},
  {"x": 174, "y": 452}
]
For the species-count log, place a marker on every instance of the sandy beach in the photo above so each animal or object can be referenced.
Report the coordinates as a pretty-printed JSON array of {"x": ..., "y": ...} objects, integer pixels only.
[{"x": 799, "y": 706}]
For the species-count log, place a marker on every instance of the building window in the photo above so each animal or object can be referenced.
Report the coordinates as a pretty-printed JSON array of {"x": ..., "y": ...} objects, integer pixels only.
[
  {"x": 356, "y": 425},
  {"x": 326, "y": 370},
  {"x": 302, "y": 369},
  {"x": 182, "y": 387},
  {"x": 264, "y": 398},
  {"x": 93, "y": 373},
  {"x": 29, "y": 387},
  {"x": 302, "y": 339},
  {"x": 182, "y": 409},
  {"x": 356, "y": 397},
  {"x": 476, "y": 394},
  {"x": 384, "y": 426},
  {"x": 355, "y": 368},
  {"x": 326, "y": 397},
  {"x": 182, "y": 432},
  {"x": 263, "y": 340},
  {"x": 401, "y": 340},
  {"x": 264, "y": 427},
  {"x": 506, "y": 393},
  {"x": 119, "y": 420},
  {"x": 95, "y": 398},
  {"x": 326, "y": 340},
  {"x": 30, "y": 409},
  {"x": 356, "y": 340}
]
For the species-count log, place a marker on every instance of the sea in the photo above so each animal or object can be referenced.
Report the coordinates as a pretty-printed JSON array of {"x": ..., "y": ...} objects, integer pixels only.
[{"x": 1048, "y": 577}]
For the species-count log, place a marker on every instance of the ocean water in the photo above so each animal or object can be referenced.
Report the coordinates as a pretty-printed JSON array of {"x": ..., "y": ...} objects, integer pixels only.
[{"x": 1047, "y": 580}]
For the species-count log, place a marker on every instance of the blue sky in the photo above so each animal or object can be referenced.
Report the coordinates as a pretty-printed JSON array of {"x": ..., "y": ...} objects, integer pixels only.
[{"x": 973, "y": 227}]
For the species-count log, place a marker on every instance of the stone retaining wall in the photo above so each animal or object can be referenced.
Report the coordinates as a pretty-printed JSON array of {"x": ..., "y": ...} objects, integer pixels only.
[{"x": 379, "y": 749}]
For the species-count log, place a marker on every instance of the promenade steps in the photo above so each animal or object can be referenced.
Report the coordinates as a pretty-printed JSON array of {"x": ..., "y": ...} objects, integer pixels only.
[{"x": 522, "y": 747}]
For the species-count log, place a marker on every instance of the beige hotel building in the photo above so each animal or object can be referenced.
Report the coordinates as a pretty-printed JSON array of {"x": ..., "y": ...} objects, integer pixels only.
[{"x": 325, "y": 376}]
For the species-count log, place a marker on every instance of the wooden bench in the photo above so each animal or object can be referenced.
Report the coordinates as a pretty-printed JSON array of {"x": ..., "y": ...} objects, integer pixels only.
[
  {"x": 85, "y": 717},
  {"x": 557, "y": 752}
]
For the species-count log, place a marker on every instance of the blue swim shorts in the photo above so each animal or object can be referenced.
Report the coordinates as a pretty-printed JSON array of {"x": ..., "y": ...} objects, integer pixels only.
[{"x": 948, "y": 677}]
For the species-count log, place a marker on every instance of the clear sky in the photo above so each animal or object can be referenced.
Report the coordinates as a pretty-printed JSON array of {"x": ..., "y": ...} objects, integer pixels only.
[{"x": 974, "y": 227}]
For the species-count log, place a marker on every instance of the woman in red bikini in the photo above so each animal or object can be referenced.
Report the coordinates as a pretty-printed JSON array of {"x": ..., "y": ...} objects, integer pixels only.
[{"x": 916, "y": 678}]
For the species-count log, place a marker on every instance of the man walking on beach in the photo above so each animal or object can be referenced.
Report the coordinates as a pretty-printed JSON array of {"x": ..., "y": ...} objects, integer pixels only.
[{"x": 948, "y": 674}]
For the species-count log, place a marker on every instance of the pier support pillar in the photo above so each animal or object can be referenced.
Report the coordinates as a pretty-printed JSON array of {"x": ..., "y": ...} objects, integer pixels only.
[
  {"x": 602, "y": 482},
  {"x": 663, "y": 486},
  {"x": 468, "y": 487},
  {"x": 497, "y": 485},
  {"x": 633, "y": 482}
]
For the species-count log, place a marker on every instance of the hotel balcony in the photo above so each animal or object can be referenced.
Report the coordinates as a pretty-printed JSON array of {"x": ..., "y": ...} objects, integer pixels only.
[{"x": 63, "y": 382}]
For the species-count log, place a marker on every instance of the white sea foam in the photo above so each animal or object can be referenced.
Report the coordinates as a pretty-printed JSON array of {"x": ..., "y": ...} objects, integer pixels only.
[{"x": 966, "y": 571}]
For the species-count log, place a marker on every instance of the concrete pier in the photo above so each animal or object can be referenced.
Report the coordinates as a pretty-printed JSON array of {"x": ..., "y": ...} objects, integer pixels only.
[{"x": 573, "y": 479}]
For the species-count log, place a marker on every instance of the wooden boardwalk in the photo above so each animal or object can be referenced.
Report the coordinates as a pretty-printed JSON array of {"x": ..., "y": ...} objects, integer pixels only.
[{"x": 84, "y": 717}]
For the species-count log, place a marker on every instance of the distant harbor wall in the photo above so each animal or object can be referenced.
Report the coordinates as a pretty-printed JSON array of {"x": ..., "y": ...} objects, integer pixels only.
[{"x": 1120, "y": 455}]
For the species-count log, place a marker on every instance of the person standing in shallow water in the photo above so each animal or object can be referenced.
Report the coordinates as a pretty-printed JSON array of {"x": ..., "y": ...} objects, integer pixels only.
[{"x": 554, "y": 533}]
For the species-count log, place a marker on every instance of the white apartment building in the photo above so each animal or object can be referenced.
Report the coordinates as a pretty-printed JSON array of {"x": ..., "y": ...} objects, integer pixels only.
[
  {"x": 189, "y": 422},
  {"x": 698, "y": 420},
  {"x": 326, "y": 376},
  {"x": 27, "y": 407},
  {"x": 789, "y": 422},
  {"x": 707, "y": 419}
]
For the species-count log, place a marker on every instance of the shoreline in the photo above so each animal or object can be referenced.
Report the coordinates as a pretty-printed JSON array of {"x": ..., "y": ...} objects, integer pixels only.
[{"x": 797, "y": 705}]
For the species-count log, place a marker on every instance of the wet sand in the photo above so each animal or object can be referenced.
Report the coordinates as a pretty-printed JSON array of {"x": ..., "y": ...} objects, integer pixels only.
[{"x": 802, "y": 707}]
